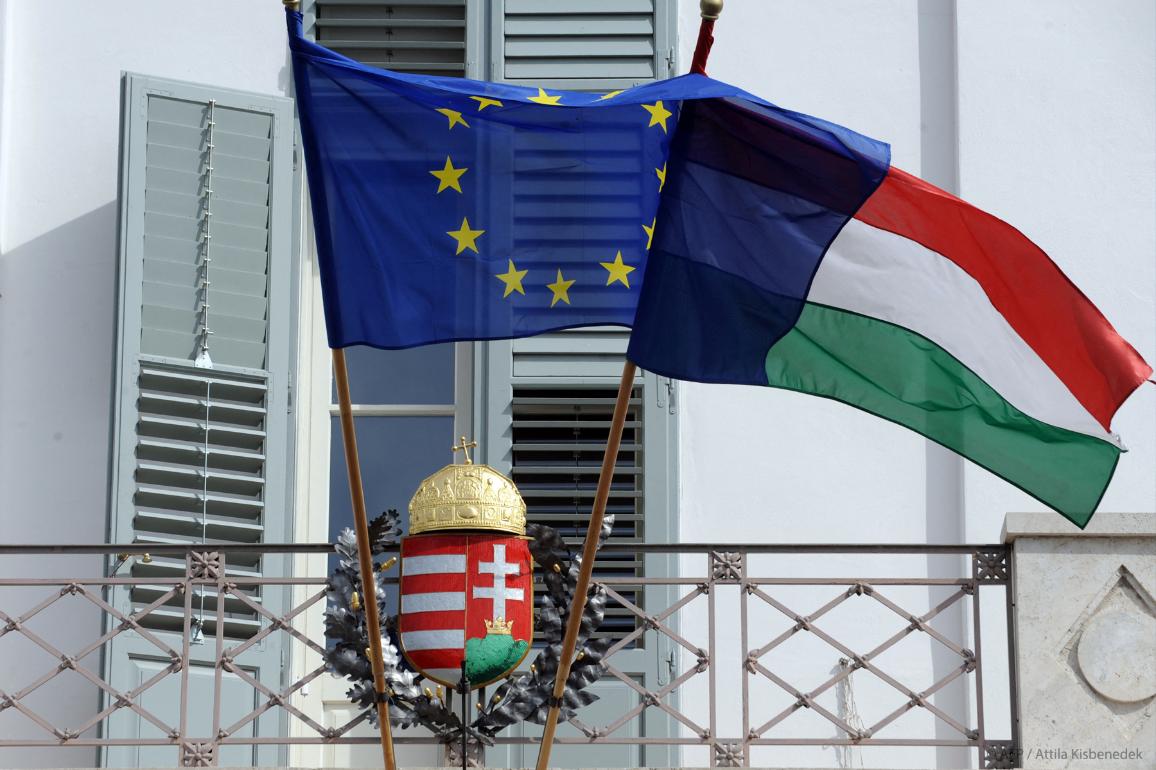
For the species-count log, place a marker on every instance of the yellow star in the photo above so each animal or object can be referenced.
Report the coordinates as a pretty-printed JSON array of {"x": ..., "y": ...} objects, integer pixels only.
[
  {"x": 483, "y": 102},
  {"x": 449, "y": 177},
  {"x": 650, "y": 232},
  {"x": 456, "y": 117},
  {"x": 661, "y": 176},
  {"x": 610, "y": 95},
  {"x": 545, "y": 98},
  {"x": 658, "y": 114},
  {"x": 560, "y": 287},
  {"x": 513, "y": 280},
  {"x": 466, "y": 238},
  {"x": 618, "y": 271}
]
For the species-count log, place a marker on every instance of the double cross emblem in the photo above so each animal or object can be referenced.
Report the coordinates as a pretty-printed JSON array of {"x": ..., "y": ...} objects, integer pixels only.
[{"x": 499, "y": 568}]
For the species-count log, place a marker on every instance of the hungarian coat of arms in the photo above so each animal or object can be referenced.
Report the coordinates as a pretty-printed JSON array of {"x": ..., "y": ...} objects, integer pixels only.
[
  {"x": 467, "y": 578},
  {"x": 466, "y": 601},
  {"x": 466, "y": 598}
]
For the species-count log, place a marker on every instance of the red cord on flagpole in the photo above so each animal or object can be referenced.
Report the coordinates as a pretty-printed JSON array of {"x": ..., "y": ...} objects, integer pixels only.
[
  {"x": 710, "y": 12},
  {"x": 702, "y": 48}
]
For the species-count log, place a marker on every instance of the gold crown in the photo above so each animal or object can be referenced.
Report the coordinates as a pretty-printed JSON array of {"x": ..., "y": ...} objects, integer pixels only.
[
  {"x": 467, "y": 497},
  {"x": 500, "y": 626}
]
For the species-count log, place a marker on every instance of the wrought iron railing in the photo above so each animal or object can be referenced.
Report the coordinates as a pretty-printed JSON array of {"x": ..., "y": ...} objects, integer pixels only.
[{"x": 721, "y": 592}]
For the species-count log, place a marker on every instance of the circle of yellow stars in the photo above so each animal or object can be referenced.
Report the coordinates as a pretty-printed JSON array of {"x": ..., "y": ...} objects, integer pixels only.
[{"x": 466, "y": 237}]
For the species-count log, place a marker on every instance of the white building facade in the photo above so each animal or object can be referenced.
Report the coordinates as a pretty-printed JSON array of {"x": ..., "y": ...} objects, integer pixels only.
[{"x": 1041, "y": 112}]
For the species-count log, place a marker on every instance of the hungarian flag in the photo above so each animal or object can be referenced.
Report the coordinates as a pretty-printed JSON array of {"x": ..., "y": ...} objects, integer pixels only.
[{"x": 800, "y": 259}]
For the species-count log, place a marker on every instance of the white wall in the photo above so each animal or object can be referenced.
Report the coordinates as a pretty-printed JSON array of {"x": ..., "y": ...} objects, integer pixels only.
[
  {"x": 770, "y": 466},
  {"x": 62, "y": 65},
  {"x": 1058, "y": 136},
  {"x": 59, "y": 123},
  {"x": 1041, "y": 112}
]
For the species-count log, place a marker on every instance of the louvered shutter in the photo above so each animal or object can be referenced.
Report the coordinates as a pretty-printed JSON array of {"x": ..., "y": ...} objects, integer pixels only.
[
  {"x": 583, "y": 45},
  {"x": 551, "y": 399},
  {"x": 557, "y": 440},
  {"x": 421, "y": 36},
  {"x": 545, "y": 417},
  {"x": 200, "y": 438}
]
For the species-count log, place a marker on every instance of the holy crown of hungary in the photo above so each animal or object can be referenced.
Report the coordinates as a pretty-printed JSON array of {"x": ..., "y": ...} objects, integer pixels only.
[{"x": 467, "y": 497}]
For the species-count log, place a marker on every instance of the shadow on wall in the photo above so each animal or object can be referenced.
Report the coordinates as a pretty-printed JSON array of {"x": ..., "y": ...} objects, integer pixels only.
[{"x": 57, "y": 321}]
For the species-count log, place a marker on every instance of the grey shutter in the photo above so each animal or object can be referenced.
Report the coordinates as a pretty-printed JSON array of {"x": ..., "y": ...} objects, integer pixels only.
[
  {"x": 421, "y": 36},
  {"x": 544, "y": 418},
  {"x": 558, "y": 433},
  {"x": 201, "y": 428},
  {"x": 585, "y": 44}
]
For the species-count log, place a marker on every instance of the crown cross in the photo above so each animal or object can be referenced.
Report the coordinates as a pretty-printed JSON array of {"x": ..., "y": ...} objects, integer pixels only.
[{"x": 465, "y": 447}]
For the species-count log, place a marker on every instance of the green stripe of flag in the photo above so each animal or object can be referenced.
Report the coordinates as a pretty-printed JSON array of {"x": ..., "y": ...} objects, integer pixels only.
[{"x": 901, "y": 376}]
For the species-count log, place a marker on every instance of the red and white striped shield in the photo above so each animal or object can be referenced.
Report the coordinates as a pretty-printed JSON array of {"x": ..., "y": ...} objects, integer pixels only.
[{"x": 466, "y": 597}]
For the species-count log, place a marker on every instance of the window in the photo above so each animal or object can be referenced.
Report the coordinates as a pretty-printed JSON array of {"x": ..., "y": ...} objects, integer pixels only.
[
  {"x": 559, "y": 434},
  {"x": 581, "y": 45},
  {"x": 539, "y": 407}
]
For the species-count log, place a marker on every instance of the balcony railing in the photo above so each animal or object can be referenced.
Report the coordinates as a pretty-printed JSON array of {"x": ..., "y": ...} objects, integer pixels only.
[{"x": 731, "y": 621}]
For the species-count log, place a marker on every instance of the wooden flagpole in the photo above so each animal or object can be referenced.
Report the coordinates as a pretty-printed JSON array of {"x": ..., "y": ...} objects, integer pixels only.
[
  {"x": 589, "y": 550},
  {"x": 364, "y": 553},
  {"x": 710, "y": 12},
  {"x": 364, "y": 558}
]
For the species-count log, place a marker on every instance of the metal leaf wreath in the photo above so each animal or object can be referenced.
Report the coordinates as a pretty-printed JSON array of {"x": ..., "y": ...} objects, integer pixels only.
[{"x": 523, "y": 696}]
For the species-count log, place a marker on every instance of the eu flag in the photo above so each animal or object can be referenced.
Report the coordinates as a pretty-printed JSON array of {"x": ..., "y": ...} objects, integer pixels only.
[{"x": 449, "y": 209}]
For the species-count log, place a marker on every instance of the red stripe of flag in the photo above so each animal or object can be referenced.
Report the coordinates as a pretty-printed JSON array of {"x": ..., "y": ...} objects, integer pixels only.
[
  {"x": 1045, "y": 308},
  {"x": 428, "y": 584},
  {"x": 428, "y": 659},
  {"x": 432, "y": 621}
]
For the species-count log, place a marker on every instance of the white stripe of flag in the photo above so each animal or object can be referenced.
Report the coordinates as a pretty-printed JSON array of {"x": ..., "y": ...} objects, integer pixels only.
[
  {"x": 882, "y": 275},
  {"x": 442, "y": 601},
  {"x": 437, "y": 564},
  {"x": 443, "y": 639}
]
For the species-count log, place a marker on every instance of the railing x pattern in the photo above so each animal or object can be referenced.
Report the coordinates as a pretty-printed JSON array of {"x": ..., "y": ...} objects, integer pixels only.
[{"x": 723, "y": 568}]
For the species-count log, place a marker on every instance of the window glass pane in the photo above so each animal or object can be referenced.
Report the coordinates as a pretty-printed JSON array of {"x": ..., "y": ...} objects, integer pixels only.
[
  {"x": 422, "y": 375},
  {"x": 396, "y": 454}
]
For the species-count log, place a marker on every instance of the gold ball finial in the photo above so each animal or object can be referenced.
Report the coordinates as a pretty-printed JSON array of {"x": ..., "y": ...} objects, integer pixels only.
[
  {"x": 710, "y": 9},
  {"x": 292, "y": 5}
]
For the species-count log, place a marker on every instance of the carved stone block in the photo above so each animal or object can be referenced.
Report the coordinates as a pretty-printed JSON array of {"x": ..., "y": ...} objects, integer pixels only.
[{"x": 1086, "y": 626}]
